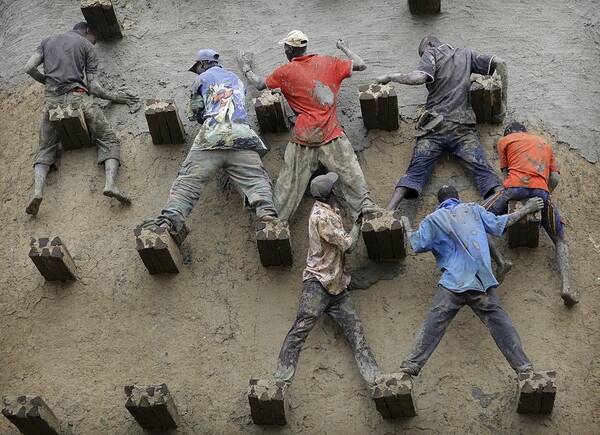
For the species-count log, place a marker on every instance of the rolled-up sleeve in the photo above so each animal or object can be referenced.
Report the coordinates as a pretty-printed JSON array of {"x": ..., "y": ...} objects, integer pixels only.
[
  {"x": 494, "y": 225},
  {"x": 427, "y": 65},
  {"x": 422, "y": 239},
  {"x": 482, "y": 63}
]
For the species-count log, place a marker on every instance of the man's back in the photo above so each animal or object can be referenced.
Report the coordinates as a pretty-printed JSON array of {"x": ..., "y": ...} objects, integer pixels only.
[
  {"x": 529, "y": 160},
  {"x": 456, "y": 233},
  {"x": 451, "y": 68},
  {"x": 311, "y": 84},
  {"x": 67, "y": 58},
  {"x": 224, "y": 95}
]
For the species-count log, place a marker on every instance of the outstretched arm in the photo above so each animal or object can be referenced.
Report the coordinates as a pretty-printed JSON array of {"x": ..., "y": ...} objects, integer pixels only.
[
  {"x": 412, "y": 78},
  {"x": 120, "y": 97},
  {"x": 358, "y": 64},
  {"x": 31, "y": 67},
  {"x": 245, "y": 61},
  {"x": 500, "y": 67},
  {"x": 531, "y": 206}
]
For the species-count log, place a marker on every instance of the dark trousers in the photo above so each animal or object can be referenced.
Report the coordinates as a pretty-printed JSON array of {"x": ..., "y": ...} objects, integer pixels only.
[
  {"x": 315, "y": 301},
  {"x": 487, "y": 307},
  {"x": 460, "y": 140}
]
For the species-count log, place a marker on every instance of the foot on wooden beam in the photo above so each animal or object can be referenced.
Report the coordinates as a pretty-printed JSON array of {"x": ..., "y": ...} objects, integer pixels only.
[
  {"x": 486, "y": 98},
  {"x": 163, "y": 122},
  {"x": 70, "y": 126},
  {"x": 379, "y": 106},
  {"x": 526, "y": 232},
  {"x": 31, "y": 415},
  {"x": 158, "y": 250},
  {"x": 52, "y": 259},
  {"x": 270, "y": 112},
  {"x": 267, "y": 401},
  {"x": 393, "y": 396},
  {"x": 536, "y": 392},
  {"x": 152, "y": 407},
  {"x": 384, "y": 235},
  {"x": 273, "y": 241},
  {"x": 100, "y": 14}
]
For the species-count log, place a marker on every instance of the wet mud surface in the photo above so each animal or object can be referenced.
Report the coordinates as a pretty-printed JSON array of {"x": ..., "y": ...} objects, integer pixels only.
[{"x": 222, "y": 320}]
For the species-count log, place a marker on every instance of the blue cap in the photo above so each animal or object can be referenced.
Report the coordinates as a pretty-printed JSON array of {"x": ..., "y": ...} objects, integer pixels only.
[{"x": 205, "y": 54}]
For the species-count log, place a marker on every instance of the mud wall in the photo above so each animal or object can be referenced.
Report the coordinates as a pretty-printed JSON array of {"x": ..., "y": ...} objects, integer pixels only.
[{"x": 222, "y": 320}]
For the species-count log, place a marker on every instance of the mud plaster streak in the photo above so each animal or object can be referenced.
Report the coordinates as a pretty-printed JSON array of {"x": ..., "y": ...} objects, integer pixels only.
[{"x": 323, "y": 94}]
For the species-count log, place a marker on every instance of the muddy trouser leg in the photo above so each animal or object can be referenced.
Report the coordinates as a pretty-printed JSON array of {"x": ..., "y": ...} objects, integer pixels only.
[
  {"x": 444, "y": 307},
  {"x": 246, "y": 170},
  {"x": 101, "y": 132},
  {"x": 299, "y": 164},
  {"x": 427, "y": 151},
  {"x": 487, "y": 307},
  {"x": 467, "y": 147},
  {"x": 338, "y": 156},
  {"x": 313, "y": 302},
  {"x": 197, "y": 169},
  {"x": 345, "y": 315},
  {"x": 48, "y": 138}
]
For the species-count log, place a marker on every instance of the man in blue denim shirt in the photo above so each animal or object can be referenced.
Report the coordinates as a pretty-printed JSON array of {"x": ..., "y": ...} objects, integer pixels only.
[{"x": 456, "y": 233}]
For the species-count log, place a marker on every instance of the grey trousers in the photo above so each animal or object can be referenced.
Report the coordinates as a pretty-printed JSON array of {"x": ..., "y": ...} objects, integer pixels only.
[
  {"x": 315, "y": 301},
  {"x": 102, "y": 134},
  {"x": 487, "y": 307},
  {"x": 244, "y": 168},
  {"x": 301, "y": 161}
]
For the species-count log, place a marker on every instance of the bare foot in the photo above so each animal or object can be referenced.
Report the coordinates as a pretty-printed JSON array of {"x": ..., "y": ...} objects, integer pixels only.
[
  {"x": 34, "y": 206},
  {"x": 569, "y": 298},
  {"x": 119, "y": 196},
  {"x": 503, "y": 269}
]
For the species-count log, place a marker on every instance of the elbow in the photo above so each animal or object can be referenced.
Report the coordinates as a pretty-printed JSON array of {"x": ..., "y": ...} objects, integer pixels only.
[{"x": 360, "y": 66}]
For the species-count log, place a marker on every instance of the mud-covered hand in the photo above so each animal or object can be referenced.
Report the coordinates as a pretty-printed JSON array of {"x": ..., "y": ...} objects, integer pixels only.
[
  {"x": 126, "y": 97},
  {"x": 342, "y": 44},
  {"x": 245, "y": 60},
  {"x": 534, "y": 204}
]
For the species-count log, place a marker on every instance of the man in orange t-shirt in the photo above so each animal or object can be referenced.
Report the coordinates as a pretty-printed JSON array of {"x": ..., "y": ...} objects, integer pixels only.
[
  {"x": 310, "y": 83},
  {"x": 530, "y": 170}
]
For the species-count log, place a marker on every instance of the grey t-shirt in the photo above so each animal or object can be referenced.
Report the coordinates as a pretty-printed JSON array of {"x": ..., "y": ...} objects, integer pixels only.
[
  {"x": 67, "y": 58},
  {"x": 449, "y": 70}
]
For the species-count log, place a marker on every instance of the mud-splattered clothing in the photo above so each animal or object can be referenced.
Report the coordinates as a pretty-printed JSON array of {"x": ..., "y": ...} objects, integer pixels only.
[
  {"x": 243, "y": 167},
  {"x": 301, "y": 161},
  {"x": 449, "y": 70},
  {"x": 458, "y": 139},
  {"x": 551, "y": 220},
  {"x": 67, "y": 58},
  {"x": 456, "y": 233},
  {"x": 314, "y": 302},
  {"x": 487, "y": 307},
  {"x": 327, "y": 243},
  {"x": 310, "y": 85},
  {"x": 222, "y": 112},
  {"x": 100, "y": 130},
  {"x": 529, "y": 160}
]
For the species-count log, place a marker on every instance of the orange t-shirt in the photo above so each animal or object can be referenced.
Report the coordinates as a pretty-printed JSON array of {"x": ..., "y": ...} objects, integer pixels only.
[
  {"x": 311, "y": 84},
  {"x": 529, "y": 160}
]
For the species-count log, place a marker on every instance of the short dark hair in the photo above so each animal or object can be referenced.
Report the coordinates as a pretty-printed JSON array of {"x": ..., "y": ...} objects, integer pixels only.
[
  {"x": 514, "y": 127},
  {"x": 447, "y": 192},
  {"x": 85, "y": 27},
  {"x": 296, "y": 51},
  {"x": 429, "y": 40}
]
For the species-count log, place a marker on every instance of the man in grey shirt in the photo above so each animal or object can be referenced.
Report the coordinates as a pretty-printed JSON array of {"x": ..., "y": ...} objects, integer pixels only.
[
  {"x": 70, "y": 68},
  {"x": 448, "y": 122}
]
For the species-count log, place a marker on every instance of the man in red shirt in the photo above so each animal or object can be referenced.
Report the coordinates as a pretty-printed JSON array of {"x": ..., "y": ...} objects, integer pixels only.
[
  {"x": 310, "y": 83},
  {"x": 530, "y": 170}
]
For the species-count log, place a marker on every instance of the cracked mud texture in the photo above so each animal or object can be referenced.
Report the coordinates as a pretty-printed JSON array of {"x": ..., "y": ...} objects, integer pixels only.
[{"x": 221, "y": 321}]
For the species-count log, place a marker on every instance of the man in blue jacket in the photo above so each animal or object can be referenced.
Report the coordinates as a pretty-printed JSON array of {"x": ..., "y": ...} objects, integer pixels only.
[{"x": 456, "y": 234}]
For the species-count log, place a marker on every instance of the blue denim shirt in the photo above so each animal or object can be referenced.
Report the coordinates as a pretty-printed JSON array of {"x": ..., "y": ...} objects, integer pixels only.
[{"x": 456, "y": 233}]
